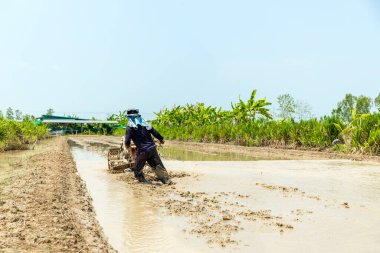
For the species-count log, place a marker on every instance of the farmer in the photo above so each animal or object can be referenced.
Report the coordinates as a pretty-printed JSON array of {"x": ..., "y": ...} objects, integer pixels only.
[{"x": 140, "y": 132}]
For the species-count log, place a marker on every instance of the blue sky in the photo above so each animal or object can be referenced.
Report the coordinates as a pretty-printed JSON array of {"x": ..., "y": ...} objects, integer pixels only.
[{"x": 93, "y": 58}]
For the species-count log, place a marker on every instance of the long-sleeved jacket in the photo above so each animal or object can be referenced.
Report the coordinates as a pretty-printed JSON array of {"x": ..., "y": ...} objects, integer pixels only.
[{"x": 142, "y": 137}]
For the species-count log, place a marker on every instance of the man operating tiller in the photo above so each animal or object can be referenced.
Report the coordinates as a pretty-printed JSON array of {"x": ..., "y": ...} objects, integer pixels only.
[{"x": 141, "y": 133}]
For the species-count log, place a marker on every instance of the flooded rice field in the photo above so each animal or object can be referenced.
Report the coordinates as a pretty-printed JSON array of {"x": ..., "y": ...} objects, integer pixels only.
[
  {"x": 236, "y": 206},
  {"x": 181, "y": 154}
]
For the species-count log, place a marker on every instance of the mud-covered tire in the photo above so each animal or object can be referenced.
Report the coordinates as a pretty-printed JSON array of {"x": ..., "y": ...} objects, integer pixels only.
[{"x": 162, "y": 174}]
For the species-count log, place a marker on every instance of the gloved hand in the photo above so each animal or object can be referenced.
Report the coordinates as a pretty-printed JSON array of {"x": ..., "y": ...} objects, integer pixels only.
[{"x": 162, "y": 142}]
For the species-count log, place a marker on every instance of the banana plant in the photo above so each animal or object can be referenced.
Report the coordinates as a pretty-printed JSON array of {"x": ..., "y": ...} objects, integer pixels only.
[
  {"x": 352, "y": 133},
  {"x": 245, "y": 112}
]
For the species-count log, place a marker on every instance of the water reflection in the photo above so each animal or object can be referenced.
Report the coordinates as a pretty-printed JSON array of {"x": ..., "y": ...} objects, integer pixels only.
[{"x": 182, "y": 154}]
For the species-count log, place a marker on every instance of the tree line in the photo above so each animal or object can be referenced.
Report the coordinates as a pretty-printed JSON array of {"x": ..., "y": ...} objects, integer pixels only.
[
  {"x": 290, "y": 109},
  {"x": 351, "y": 127},
  {"x": 19, "y": 134}
]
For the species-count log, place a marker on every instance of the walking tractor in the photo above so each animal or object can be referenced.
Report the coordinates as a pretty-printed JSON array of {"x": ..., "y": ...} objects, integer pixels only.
[{"x": 122, "y": 158}]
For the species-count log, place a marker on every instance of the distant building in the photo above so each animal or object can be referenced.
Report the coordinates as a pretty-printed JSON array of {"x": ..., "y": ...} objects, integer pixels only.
[{"x": 63, "y": 125}]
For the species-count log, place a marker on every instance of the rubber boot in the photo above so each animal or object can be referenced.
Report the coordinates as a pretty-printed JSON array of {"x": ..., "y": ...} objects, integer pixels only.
[
  {"x": 162, "y": 174},
  {"x": 142, "y": 179}
]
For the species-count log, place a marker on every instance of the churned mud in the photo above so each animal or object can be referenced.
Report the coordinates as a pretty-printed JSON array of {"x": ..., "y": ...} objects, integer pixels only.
[
  {"x": 236, "y": 206},
  {"x": 44, "y": 204}
]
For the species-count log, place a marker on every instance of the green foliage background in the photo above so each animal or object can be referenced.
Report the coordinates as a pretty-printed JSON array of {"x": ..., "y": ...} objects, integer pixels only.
[
  {"x": 250, "y": 124},
  {"x": 358, "y": 133},
  {"x": 16, "y": 135}
]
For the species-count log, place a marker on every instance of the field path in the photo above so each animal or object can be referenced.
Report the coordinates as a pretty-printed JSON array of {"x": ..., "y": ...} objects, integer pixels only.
[{"x": 44, "y": 204}]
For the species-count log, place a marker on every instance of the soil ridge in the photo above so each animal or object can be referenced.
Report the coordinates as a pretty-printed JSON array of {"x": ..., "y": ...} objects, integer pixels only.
[{"x": 47, "y": 208}]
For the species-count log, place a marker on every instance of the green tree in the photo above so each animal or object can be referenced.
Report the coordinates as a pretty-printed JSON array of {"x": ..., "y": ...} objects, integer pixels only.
[
  {"x": 27, "y": 117},
  {"x": 244, "y": 112},
  {"x": 9, "y": 113},
  {"x": 363, "y": 105},
  {"x": 120, "y": 117},
  {"x": 18, "y": 115},
  {"x": 50, "y": 112},
  {"x": 377, "y": 102},
  {"x": 287, "y": 106},
  {"x": 345, "y": 107},
  {"x": 1, "y": 114}
]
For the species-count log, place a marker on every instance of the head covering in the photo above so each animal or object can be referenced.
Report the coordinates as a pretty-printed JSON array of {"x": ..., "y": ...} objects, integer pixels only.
[
  {"x": 135, "y": 119},
  {"x": 133, "y": 112}
]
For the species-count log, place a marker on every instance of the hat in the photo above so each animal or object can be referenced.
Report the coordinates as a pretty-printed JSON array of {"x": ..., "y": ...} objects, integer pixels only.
[{"x": 133, "y": 112}]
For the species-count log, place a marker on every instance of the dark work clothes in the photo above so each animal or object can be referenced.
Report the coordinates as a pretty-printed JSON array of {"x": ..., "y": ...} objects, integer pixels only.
[
  {"x": 146, "y": 149},
  {"x": 151, "y": 156},
  {"x": 142, "y": 137}
]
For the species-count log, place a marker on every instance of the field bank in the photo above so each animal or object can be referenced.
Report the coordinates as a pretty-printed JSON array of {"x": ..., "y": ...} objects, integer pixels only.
[{"x": 44, "y": 205}]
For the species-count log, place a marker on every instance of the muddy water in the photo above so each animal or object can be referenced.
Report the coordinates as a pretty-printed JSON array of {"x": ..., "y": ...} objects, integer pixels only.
[
  {"x": 334, "y": 208},
  {"x": 181, "y": 154},
  {"x": 324, "y": 225},
  {"x": 129, "y": 219}
]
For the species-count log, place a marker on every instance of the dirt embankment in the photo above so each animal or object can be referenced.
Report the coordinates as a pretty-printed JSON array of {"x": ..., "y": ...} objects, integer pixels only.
[{"x": 45, "y": 207}]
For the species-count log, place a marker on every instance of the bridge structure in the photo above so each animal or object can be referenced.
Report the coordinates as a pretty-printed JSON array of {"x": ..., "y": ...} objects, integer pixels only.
[{"x": 70, "y": 120}]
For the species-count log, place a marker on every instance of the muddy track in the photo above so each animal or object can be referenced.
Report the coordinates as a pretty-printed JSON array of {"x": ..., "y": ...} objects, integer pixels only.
[{"x": 47, "y": 208}]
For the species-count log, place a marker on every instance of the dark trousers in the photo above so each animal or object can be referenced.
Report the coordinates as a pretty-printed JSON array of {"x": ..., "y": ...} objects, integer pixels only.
[{"x": 151, "y": 156}]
